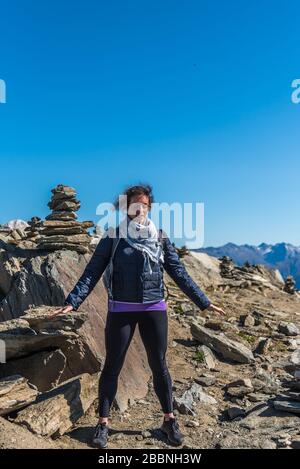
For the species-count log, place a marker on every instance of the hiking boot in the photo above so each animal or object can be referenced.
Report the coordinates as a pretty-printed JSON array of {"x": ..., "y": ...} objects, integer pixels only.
[
  {"x": 171, "y": 429},
  {"x": 100, "y": 435}
]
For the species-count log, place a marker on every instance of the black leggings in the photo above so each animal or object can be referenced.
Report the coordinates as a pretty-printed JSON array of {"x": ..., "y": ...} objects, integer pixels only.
[{"x": 119, "y": 329}]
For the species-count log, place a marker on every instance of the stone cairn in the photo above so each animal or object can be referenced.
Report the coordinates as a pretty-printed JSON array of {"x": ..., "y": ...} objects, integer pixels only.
[
  {"x": 183, "y": 251},
  {"x": 226, "y": 266},
  {"x": 4, "y": 232},
  {"x": 12, "y": 235},
  {"x": 33, "y": 230},
  {"x": 250, "y": 268},
  {"x": 60, "y": 229},
  {"x": 289, "y": 285}
]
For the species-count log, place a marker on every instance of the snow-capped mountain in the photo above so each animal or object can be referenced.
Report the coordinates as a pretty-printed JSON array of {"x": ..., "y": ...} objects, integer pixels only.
[{"x": 283, "y": 256}]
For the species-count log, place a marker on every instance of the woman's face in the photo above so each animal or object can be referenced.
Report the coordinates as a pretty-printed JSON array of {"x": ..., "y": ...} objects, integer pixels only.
[{"x": 138, "y": 207}]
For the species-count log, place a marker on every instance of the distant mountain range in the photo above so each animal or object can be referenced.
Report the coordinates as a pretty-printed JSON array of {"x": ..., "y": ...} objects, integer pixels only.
[{"x": 282, "y": 256}]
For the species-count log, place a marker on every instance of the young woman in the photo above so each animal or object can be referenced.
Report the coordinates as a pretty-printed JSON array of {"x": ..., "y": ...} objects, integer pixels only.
[{"x": 138, "y": 298}]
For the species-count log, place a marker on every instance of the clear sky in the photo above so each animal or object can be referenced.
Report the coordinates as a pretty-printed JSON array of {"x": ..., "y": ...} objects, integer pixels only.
[{"x": 193, "y": 97}]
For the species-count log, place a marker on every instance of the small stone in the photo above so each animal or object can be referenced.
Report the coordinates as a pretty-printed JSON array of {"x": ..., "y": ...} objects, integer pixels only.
[
  {"x": 208, "y": 357},
  {"x": 267, "y": 444},
  {"x": 190, "y": 397},
  {"x": 247, "y": 320},
  {"x": 295, "y": 358},
  {"x": 246, "y": 382},
  {"x": 215, "y": 325},
  {"x": 234, "y": 412},
  {"x": 119, "y": 436},
  {"x": 256, "y": 397},
  {"x": 263, "y": 346},
  {"x": 292, "y": 344},
  {"x": 149, "y": 442},
  {"x": 283, "y": 440},
  {"x": 289, "y": 329},
  {"x": 295, "y": 443},
  {"x": 206, "y": 381},
  {"x": 239, "y": 391},
  {"x": 192, "y": 424}
]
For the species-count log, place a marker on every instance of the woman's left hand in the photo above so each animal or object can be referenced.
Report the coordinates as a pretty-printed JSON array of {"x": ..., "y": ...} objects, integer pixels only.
[{"x": 216, "y": 309}]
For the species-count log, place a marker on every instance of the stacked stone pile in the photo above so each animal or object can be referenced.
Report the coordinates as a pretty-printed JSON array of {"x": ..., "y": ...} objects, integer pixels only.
[
  {"x": 289, "y": 285},
  {"x": 32, "y": 231},
  {"x": 226, "y": 266},
  {"x": 60, "y": 229},
  {"x": 13, "y": 232},
  {"x": 183, "y": 251}
]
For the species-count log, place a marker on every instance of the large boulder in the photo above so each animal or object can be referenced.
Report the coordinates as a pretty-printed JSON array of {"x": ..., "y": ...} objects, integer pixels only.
[
  {"x": 31, "y": 278},
  {"x": 15, "y": 437},
  {"x": 42, "y": 369},
  {"x": 15, "y": 392},
  {"x": 221, "y": 344},
  {"x": 54, "y": 412}
]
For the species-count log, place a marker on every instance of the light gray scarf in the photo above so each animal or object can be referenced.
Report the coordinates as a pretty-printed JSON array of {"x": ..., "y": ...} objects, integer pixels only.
[{"x": 144, "y": 237}]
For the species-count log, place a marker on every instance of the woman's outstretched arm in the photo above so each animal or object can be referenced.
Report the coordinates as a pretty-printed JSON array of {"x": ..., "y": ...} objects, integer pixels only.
[
  {"x": 92, "y": 272},
  {"x": 91, "y": 275},
  {"x": 177, "y": 271}
]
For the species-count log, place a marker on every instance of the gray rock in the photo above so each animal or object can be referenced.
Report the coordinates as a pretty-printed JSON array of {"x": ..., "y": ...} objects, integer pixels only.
[
  {"x": 263, "y": 346},
  {"x": 289, "y": 329},
  {"x": 228, "y": 348},
  {"x": 294, "y": 396},
  {"x": 42, "y": 369},
  {"x": 208, "y": 357},
  {"x": 56, "y": 411},
  {"x": 294, "y": 385},
  {"x": 245, "y": 382},
  {"x": 30, "y": 339},
  {"x": 15, "y": 393},
  {"x": 247, "y": 320},
  {"x": 287, "y": 406},
  {"x": 206, "y": 380},
  {"x": 256, "y": 397},
  {"x": 295, "y": 442},
  {"x": 234, "y": 412},
  {"x": 239, "y": 391},
  {"x": 190, "y": 397},
  {"x": 15, "y": 437},
  {"x": 295, "y": 358}
]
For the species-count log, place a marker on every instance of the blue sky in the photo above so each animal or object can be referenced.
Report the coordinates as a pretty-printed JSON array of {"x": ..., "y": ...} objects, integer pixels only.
[{"x": 192, "y": 97}]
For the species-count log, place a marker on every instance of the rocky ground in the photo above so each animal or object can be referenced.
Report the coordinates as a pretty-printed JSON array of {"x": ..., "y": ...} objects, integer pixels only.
[
  {"x": 253, "y": 420},
  {"x": 235, "y": 378}
]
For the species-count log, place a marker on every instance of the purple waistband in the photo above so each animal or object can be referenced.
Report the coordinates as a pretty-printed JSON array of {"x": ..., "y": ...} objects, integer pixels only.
[{"x": 123, "y": 306}]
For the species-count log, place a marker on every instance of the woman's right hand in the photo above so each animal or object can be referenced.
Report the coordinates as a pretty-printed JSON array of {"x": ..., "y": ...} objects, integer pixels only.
[
  {"x": 216, "y": 309},
  {"x": 63, "y": 310}
]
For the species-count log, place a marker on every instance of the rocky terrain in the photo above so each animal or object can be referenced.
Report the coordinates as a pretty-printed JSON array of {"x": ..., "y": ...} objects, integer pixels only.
[
  {"x": 236, "y": 379},
  {"x": 282, "y": 256}
]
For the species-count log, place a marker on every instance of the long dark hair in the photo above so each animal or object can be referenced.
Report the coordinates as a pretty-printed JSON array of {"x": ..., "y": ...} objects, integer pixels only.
[{"x": 130, "y": 191}]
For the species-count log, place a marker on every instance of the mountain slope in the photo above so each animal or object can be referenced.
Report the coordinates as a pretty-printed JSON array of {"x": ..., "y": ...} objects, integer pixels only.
[{"x": 282, "y": 256}]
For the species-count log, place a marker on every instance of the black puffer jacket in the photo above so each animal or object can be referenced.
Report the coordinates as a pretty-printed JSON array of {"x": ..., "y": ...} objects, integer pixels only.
[{"x": 130, "y": 281}]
